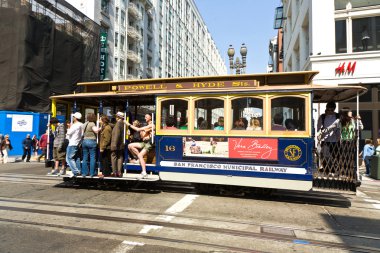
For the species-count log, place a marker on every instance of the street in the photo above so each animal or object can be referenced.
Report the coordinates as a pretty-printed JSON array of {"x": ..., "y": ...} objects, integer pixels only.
[{"x": 44, "y": 214}]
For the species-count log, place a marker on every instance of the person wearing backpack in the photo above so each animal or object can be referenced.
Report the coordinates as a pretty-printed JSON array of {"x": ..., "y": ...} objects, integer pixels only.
[{"x": 328, "y": 139}]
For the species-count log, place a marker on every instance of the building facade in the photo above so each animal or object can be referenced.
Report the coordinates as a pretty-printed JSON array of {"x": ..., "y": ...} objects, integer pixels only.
[
  {"x": 153, "y": 38},
  {"x": 341, "y": 40}
]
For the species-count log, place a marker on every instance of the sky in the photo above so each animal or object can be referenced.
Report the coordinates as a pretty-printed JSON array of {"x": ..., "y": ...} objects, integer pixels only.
[{"x": 241, "y": 21}]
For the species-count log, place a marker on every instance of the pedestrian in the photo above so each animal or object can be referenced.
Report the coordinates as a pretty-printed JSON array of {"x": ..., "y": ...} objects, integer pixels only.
[
  {"x": 346, "y": 153},
  {"x": 117, "y": 146},
  {"x": 74, "y": 135},
  {"x": 43, "y": 146},
  {"x": 368, "y": 151},
  {"x": 105, "y": 145},
  {"x": 59, "y": 151},
  {"x": 89, "y": 145},
  {"x": 328, "y": 140},
  {"x": 35, "y": 144},
  {"x": 5, "y": 147},
  {"x": 27, "y": 148},
  {"x": 142, "y": 148},
  {"x": 1, "y": 151}
]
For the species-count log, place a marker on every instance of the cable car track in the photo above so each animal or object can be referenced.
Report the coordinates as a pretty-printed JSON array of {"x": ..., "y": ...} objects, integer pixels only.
[{"x": 284, "y": 238}]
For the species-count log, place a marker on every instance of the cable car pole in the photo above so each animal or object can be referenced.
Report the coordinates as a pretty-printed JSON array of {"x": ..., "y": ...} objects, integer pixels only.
[{"x": 125, "y": 137}]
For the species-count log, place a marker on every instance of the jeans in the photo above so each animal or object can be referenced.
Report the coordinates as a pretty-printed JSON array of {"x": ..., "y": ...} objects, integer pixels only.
[
  {"x": 26, "y": 154},
  {"x": 367, "y": 162},
  {"x": 73, "y": 159},
  {"x": 89, "y": 149}
]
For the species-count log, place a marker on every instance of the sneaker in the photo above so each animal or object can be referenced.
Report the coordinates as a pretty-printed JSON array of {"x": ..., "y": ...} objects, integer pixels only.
[
  {"x": 62, "y": 172},
  {"x": 55, "y": 172},
  {"x": 143, "y": 175}
]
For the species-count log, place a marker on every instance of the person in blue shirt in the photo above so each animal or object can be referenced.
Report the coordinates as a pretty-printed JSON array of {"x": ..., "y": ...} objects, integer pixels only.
[
  {"x": 368, "y": 151},
  {"x": 27, "y": 146}
]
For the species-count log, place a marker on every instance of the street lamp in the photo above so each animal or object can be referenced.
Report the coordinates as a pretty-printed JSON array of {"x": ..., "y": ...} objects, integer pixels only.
[{"x": 239, "y": 66}]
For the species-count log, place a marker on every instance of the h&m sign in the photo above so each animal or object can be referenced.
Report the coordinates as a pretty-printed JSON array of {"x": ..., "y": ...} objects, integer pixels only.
[{"x": 344, "y": 69}]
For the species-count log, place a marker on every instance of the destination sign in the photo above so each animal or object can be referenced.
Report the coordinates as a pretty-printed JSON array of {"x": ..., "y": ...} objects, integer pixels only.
[{"x": 188, "y": 85}]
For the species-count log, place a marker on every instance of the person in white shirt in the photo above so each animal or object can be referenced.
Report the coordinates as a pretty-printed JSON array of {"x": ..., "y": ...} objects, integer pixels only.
[
  {"x": 74, "y": 135},
  {"x": 328, "y": 139}
]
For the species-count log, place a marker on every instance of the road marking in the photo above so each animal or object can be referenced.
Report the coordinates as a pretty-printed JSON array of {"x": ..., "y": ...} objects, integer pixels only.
[
  {"x": 368, "y": 199},
  {"x": 126, "y": 246},
  {"x": 182, "y": 204},
  {"x": 178, "y": 207},
  {"x": 362, "y": 194},
  {"x": 373, "y": 201},
  {"x": 147, "y": 228}
]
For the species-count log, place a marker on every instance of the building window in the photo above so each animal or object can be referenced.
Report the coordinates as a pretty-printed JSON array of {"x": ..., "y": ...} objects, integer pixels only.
[
  {"x": 115, "y": 65},
  {"x": 122, "y": 42},
  {"x": 361, "y": 3},
  {"x": 116, "y": 39},
  {"x": 122, "y": 18},
  {"x": 365, "y": 34},
  {"x": 150, "y": 21},
  {"x": 122, "y": 67},
  {"x": 149, "y": 43},
  {"x": 340, "y": 4},
  {"x": 117, "y": 15},
  {"x": 105, "y": 6},
  {"x": 340, "y": 37}
]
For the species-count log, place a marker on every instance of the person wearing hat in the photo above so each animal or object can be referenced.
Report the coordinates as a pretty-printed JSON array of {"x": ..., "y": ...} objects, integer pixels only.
[
  {"x": 117, "y": 146},
  {"x": 74, "y": 135},
  {"x": 59, "y": 153},
  {"x": 27, "y": 147}
]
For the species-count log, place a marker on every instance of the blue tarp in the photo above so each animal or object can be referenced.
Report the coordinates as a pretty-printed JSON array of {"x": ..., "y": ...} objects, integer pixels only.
[{"x": 19, "y": 124}]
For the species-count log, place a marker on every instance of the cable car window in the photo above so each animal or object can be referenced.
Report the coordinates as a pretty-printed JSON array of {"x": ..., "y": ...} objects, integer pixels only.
[
  {"x": 209, "y": 114},
  {"x": 247, "y": 114},
  {"x": 174, "y": 114},
  {"x": 288, "y": 114}
]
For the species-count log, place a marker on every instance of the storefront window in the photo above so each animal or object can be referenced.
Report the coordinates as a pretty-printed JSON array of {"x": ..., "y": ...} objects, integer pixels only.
[
  {"x": 365, "y": 34},
  {"x": 340, "y": 37}
]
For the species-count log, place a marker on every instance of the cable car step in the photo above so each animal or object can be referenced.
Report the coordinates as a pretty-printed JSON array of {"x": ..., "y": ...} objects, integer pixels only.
[{"x": 127, "y": 176}]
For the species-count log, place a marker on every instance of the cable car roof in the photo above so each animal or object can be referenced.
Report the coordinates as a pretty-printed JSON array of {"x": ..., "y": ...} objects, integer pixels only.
[{"x": 256, "y": 83}]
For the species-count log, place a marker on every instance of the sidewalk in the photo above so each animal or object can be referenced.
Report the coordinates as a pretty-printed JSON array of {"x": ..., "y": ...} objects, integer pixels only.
[
  {"x": 365, "y": 178},
  {"x": 17, "y": 158}
]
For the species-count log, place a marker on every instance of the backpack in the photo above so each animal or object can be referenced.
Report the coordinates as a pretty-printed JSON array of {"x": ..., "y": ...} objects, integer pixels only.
[{"x": 324, "y": 116}]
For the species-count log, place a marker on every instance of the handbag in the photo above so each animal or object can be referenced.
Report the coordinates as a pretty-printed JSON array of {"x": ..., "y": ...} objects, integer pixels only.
[{"x": 80, "y": 144}]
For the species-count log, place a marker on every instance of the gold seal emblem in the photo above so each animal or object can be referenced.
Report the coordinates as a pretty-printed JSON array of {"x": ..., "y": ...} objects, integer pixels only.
[{"x": 293, "y": 152}]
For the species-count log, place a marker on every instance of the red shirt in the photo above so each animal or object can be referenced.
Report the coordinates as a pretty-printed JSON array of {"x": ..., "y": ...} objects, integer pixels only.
[{"x": 43, "y": 141}]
